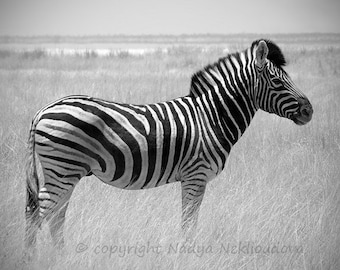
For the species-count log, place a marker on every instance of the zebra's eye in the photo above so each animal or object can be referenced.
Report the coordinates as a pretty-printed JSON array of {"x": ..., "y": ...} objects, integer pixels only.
[{"x": 277, "y": 82}]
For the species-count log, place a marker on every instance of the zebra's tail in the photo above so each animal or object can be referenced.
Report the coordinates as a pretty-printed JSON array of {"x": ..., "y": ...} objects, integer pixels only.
[{"x": 32, "y": 181}]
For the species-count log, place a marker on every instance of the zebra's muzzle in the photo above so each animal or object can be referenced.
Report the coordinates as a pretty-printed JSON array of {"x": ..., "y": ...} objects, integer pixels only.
[{"x": 304, "y": 113}]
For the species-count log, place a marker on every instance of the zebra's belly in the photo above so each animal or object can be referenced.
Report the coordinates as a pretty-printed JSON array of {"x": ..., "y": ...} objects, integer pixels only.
[
  {"x": 116, "y": 163},
  {"x": 135, "y": 182}
]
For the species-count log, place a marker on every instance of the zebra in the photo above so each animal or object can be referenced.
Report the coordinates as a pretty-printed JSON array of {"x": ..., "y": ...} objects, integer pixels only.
[{"x": 135, "y": 147}]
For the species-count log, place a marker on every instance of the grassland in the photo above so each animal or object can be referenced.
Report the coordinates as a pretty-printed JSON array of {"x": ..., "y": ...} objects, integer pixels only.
[{"x": 276, "y": 205}]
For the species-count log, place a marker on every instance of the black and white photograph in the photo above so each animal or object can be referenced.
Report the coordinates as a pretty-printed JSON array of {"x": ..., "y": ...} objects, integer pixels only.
[{"x": 170, "y": 134}]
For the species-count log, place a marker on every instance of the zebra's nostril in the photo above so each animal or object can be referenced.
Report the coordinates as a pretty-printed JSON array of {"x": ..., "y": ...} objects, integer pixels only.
[
  {"x": 305, "y": 112},
  {"x": 306, "y": 109}
]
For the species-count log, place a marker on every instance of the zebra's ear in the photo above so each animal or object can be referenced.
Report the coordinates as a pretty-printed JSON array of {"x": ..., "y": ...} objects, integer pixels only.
[{"x": 261, "y": 54}]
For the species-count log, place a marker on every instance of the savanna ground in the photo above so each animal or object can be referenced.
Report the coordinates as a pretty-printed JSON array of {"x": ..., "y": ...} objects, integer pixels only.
[{"x": 275, "y": 206}]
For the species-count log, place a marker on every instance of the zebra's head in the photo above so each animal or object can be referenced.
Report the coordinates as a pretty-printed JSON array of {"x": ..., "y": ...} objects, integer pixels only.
[{"x": 275, "y": 92}]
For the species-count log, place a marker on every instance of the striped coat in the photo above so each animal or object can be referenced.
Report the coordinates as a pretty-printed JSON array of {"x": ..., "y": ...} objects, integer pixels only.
[{"x": 136, "y": 147}]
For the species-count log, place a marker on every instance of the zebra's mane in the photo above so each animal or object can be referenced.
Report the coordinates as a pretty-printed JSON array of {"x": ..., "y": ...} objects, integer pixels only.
[{"x": 275, "y": 55}]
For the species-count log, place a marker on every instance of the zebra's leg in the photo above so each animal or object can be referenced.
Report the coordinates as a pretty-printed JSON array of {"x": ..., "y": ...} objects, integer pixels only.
[
  {"x": 54, "y": 197},
  {"x": 57, "y": 226},
  {"x": 192, "y": 196},
  {"x": 33, "y": 220}
]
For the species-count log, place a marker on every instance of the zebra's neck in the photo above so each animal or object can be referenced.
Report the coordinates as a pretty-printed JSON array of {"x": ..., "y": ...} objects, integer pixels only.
[{"x": 224, "y": 92}]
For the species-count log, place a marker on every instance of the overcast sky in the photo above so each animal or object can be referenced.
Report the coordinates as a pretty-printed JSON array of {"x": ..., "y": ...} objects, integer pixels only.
[{"x": 104, "y": 17}]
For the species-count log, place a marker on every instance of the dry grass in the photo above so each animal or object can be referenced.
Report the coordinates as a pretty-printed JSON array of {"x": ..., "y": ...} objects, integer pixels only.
[{"x": 276, "y": 205}]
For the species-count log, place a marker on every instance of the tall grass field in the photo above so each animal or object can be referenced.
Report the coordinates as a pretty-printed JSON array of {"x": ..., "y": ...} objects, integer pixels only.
[{"x": 275, "y": 206}]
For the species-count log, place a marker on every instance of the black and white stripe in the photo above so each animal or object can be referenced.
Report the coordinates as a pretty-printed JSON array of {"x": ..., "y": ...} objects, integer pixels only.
[{"x": 144, "y": 146}]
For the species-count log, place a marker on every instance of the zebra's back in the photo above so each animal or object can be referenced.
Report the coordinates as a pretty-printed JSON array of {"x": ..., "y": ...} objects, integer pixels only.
[{"x": 124, "y": 145}]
